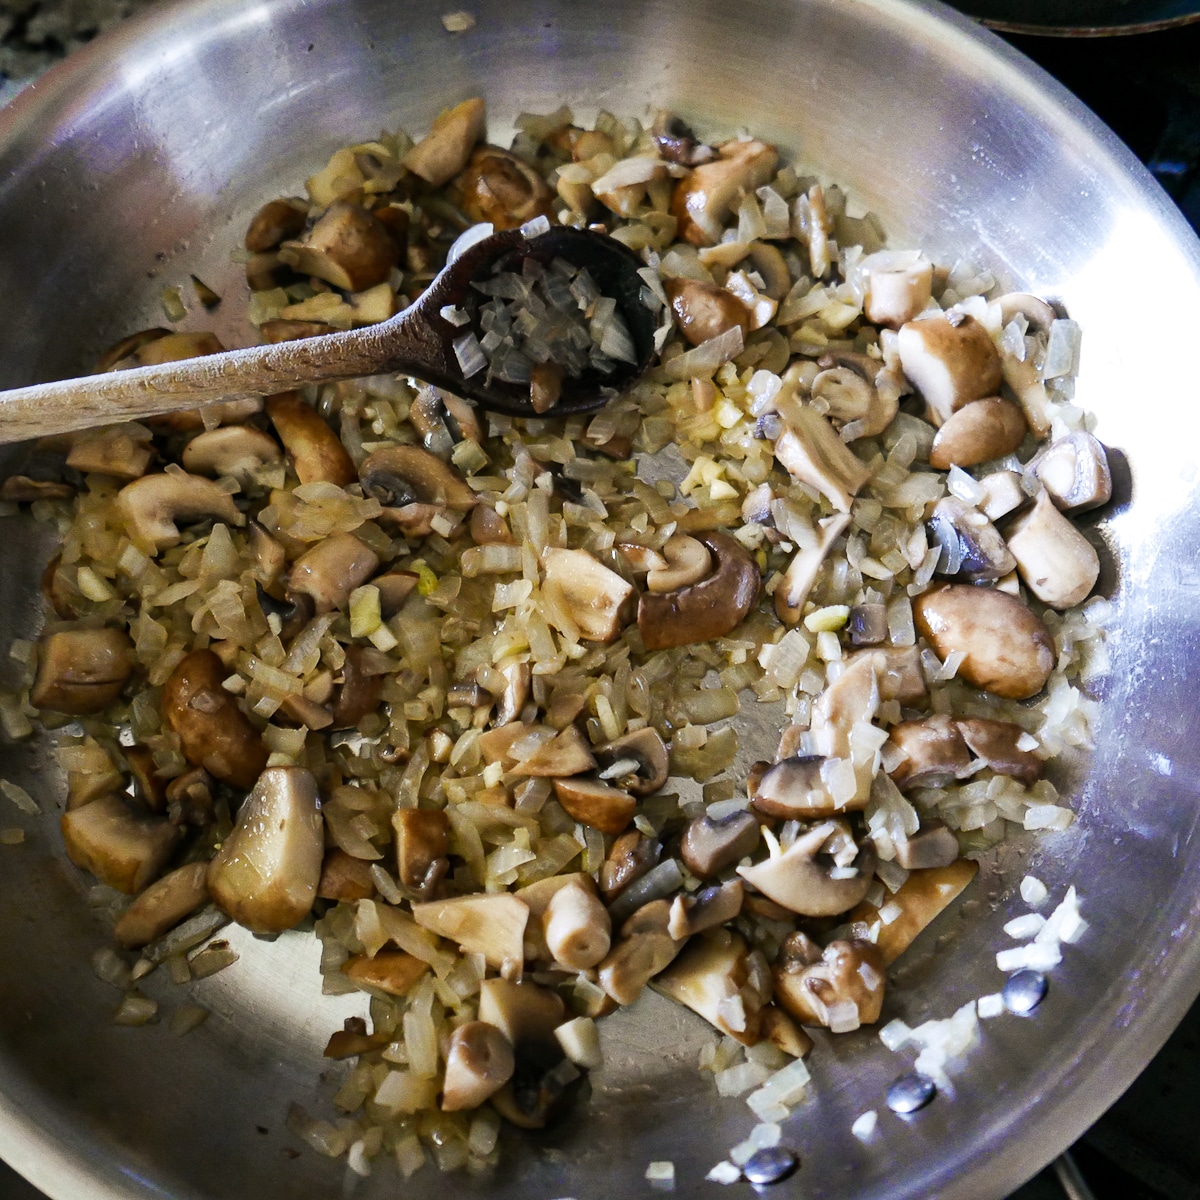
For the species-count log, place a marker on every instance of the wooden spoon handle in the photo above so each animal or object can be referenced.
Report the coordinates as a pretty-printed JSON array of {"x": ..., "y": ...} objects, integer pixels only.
[{"x": 68, "y": 404}]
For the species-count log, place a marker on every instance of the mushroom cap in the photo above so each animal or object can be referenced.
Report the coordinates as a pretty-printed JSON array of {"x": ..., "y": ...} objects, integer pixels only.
[
  {"x": 972, "y": 548},
  {"x": 950, "y": 364},
  {"x": 332, "y": 569},
  {"x": 163, "y": 905},
  {"x": 841, "y": 991},
  {"x": 81, "y": 671},
  {"x": 235, "y": 450},
  {"x": 497, "y": 187},
  {"x": 934, "y": 752},
  {"x": 1074, "y": 470},
  {"x": 152, "y": 505},
  {"x": 702, "y": 310},
  {"x": 703, "y": 199},
  {"x": 479, "y": 1062},
  {"x": 646, "y": 749},
  {"x": 596, "y": 804},
  {"x": 710, "y": 845},
  {"x": 403, "y": 475},
  {"x": 122, "y": 850},
  {"x": 1056, "y": 562},
  {"x": 444, "y": 150},
  {"x": 978, "y": 432},
  {"x": 347, "y": 247},
  {"x": 317, "y": 453},
  {"x": 793, "y": 789}
]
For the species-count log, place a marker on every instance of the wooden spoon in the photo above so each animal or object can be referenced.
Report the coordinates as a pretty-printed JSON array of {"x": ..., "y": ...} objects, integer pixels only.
[{"x": 417, "y": 341}]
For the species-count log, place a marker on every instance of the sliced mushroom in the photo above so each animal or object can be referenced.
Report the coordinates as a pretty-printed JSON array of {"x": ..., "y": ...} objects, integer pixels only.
[
  {"x": 394, "y": 587},
  {"x": 406, "y": 477},
  {"x": 518, "y": 678},
  {"x": 488, "y": 526},
  {"x": 1038, "y": 314},
  {"x": 703, "y": 199},
  {"x": 978, "y": 432},
  {"x": 347, "y": 247},
  {"x": 1022, "y": 374},
  {"x": 81, "y": 671},
  {"x": 799, "y": 879},
  {"x": 596, "y": 804},
  {"x": 1074, "y": 470},
  {"x": 150, "y": 787},
  {"x": 576, "y": 926},
  {"x": 997, "y": 743},
  {"x": 759, "y": 305},
  {"x": 842, "y": 991},
  {"x": 854, "y": 400},
  {"x": 213, "y": 731},
  {"x": 645, "y": 948},
  {"x": 719, "y": 977},
  {"x": 234, "y": 450},
  {"x": 344, "y": 877},
  {"x": 491, "y": 925},
  {"x": 1008, "y": 649},
  {"x": 596, "y": 598},
  {"x": 899, "y": 284},
  {"x": 316, "y": 451},
  {"x": 922, "y": 896},
  {"x": 637, "y": 762},
  {"x": 687, "y": 562},
  {"x": 851, "y": 699},
  {"x": 163, "y": 905},
  {"x": 444, "y": 150},
  {"x": 933, "y": 845},
  {"x": 772, "y": 268},
  {"x": 972, "y": 549},
  {"x": 778, "y": 1028},
  {"x": 123, "y": 851},
  {"x": 706, "y": 610},
  {"x": 499, "y": 188},
  {"x": 332, "y": 569},
  {"x": 175, "y": 347},
  {"x": 124, "y": 451},
  {"x": 677, "y": 143},
  {"x": 708, "y": 909},
  {"x": 934, "y": 750},
  {"x": 567, "y": 753},
  {"x": 524, "y": 1012},
  {"x": 792, "y": 591},
  {"x": 811, "y": 452},
  {"x": 390, "y": 971},
  {"x": 949, "y": 363},
  {"x": 629, "y": 858},
  {"x": 478, "y": 1064},
  {"x": 422, "y": 836},
  {"x": 867, "y": 624},
  {"x": 1002, "y": 494},
  {"x": 275, "y": 222},
  {"x": 703, "y": 311},
  {"x": 794, "y": 790},
  {"x": 1057, "y": 563},
  {"x": 21, "y": 489},
  {"x": 709, "y": 845},
  {"x": 127, "y": 346},
  {"x": 266, "y": 872},
  {"x": 152, "y": 506},
  {"x": 190, "y": 798}
]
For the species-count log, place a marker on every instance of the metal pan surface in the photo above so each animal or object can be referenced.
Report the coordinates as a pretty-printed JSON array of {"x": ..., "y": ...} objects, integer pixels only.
[
  {"x": 1081, "y": 18},
  {"x": 141, "y": 159}
]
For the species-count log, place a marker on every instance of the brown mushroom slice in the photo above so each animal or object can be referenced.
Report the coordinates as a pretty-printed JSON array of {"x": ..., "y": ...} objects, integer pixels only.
[
  {"x": 234, "y": 450},
  {"x": 842, "y": 991},
  {"x": 344, "y": 877},
  {"x": 479, "y": 1063},
  {"x": 794, "y": 790},
  {"x": 596, "y": 804},
  {"x": 595, "y": 598},
  {"x": 390, "y": 971},
  {"x": 275, "y": 222},
  {"x": 497, "y": 187},
  {"x": 280, "y": 329},
  {"x": 332, "y": 569},
  {"x": 567, "y": 753},
  {"x": 851, "y": 399},
  {"x": 797, "y": 879},
  {"x": 266, "y": 872},
  {"x": 491, "y": 925},
  {"x": 687, "y": 561},
  {"x": 704, "y": 311},
  {"x": 676, "y": 142},
  {"x": 637, "y": 762},
  {"x": 629, "y": 858},
  {"x": 444, "y": 150},
  {"x": 708, "y": 909},
  {"x": 645, "y": 948},
  {"x": 792, "y": 591},
  {"x": 124, "y": 451},
  {"x": 1074, "y": 470},
  {"x": 899, "y": 674},
  {"x": 717, "y": 978},
  {"x": 524, "y": 1012},
  {"x": 899, "y": 284},
  {"x": 978, "y": 432},
  {"x": 149, "y": 786},
  {"x": 127, "y": 346},
  {"x": 950, "y": 363},
  {"x": 422, "y": 836},
  {"x": 922, "y": 896},
  {"x": 489, "y": 527},
  {"x": 81, "y": 671},
  {"x": 359, "y": 692},
  {"x": 213, "y": 731},
  {"x": 152, "y": 507},
  {"x": 933, "y": 845},
  {"x": 703, "y": 199},
  {"x": 972, "y": 549},
  {"x": 21, "y": 489},
  {"x": 576, "y": 927},
  {"x": 347, "y": 247},
  {"x": 122, "y": 850},
  {"x": 317, "y": 453},
  {"x": 851, "y": 699},
  {"x": 706, "y": 610},
  {"x": 783, "y": 1032},
  {"x": 810, "y": 450},
  {"x": 518, "y": 679},
  {"x": 163, "y": 905},
  {"x": 190, "y": 798},
  {"x": 1008, "y": 648},
  {"x": 997, "y": 743},
  {"x": 395, "y": 587},
  {"x": 1055, "y": 561},
  {"x": 709, "y": 844},
  {"x": 175, "y": 347},
  {"x": 403, "y": 475},
  {"x": 934, "y": 750}
]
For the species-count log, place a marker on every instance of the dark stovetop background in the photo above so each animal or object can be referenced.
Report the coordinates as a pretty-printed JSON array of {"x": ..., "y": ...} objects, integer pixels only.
[{"x": 1147, "y": 89}]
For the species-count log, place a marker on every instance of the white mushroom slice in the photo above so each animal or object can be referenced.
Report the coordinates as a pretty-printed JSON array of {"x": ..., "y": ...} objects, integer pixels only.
[
  {"x": 972, "y": 549},
  {"x": 121, "y": 450},
  {"x": 523, "y": 1012},
  {"x": 704, "y": 199},
  {"x": 852, "y": 699},
  {"x": 978, "y": 432},
  {"x": 1037, "y": 313},
  {"x": 792, "y": 590},
  {"x": 152, "y": 506},
  {"x": 577, "y": 927},
  {"x": 266, "y": 873},
  {"x": 1002, "y": 494},
  {"x": 810, "y": 450},
  {"x": 234, "y": 450},
  {"x": 595, "y": 597},
  {"x": 899, "y": 284},
  {"x": 934, "y": 752},
  {"x": 933, "y": 845},
  {"x": 949, "y": 363},
  {"x": 1058, "y": 564},
  {"x": 491, "y": 925},
  {"x": 645, "y": 948},
  {"x": 163, "y": 905},
  {"x": 709, "y": 909},
  {"x": 478, "y": 1064},
  {"x": 1075, "y": 471},
  {"x": 641, "y": 559},
  {"x": 852, "y": 400},
  {"x": 123, "y": 851},
  {"x": 348, "y": 247},
  {"x": 687, "y": 561},
  {"x": 761, "y": 308},
  {"x": 720, "y": 978},
  {"x": 804, "y": 881},
  {"x": 841, "y": 991},
  {"x": 332, "y": 569},
  {"x": 444, "y": 151},
  {"x": 622, "y": 189}
]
